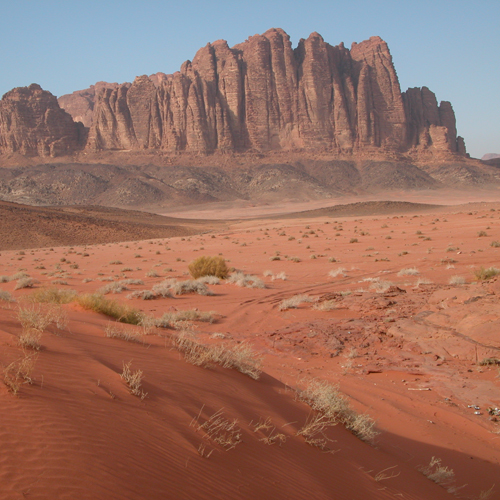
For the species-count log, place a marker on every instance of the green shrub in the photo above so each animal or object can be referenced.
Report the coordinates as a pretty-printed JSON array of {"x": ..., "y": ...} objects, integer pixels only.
[{"x": 208, "y": 266}]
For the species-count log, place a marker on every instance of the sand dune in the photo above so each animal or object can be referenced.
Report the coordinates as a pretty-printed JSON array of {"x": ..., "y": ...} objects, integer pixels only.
[{"x": 382, "y": 322}]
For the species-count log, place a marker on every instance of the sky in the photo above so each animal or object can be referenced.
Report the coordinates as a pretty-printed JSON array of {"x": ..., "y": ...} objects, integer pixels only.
[{"x": 450, "y": 46}]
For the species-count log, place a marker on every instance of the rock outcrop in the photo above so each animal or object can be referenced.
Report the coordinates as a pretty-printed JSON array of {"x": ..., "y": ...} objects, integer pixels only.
[
  {"x": 33, "y": 124},
  {"x": 262, "y": 95}
]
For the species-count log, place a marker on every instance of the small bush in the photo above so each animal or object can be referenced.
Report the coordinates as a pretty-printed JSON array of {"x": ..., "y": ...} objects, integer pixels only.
[
  {"x": 209, "y": 280},
  {"x": 353, "y": 240},
  {"x": 457, "y": 280},
  {"x": 30, "y": 339},
  {"x": 337, "y": 272},
  {"x": 208, "y": 266},
  {"x": 113, "y": 287},
  {"x": 142, "y": 294},
  {"x": 152, "y": 274},
  {"x": 100, "y": 304},
  {"x": 190, "y": 286},
  {"x": 133, "y": 380},
  {"x": 246, "y": 280},
  {"x": 25, "y": 283},
  {"x": 169, "y": 320},
  {"x": 6, "y": 296},
  {"x": 495, "y": 244},
  {"x": 131, "y": 281},
  {"x": 409, "y": 271},
  {"x": 117, "y": 331},
  {"x": 481, "y": 234},
  {"x": 19, "y": 372},
  {"x": 437, "y": 473},
  {"x": 486, "y": 273},
  {"x": 294, "y": 302},
  {"x": 52, "y": 295}
]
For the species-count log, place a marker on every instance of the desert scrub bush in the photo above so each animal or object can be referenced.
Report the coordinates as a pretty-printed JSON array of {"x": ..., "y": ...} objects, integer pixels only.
[
  {"x": 100, "y": 304},
  {"x": 481, "y": 234},
  {"x": 162, "y": 289},
  {"x": 340, "y": 271},
  {"x": 314, "y": 429},
  {"x": 327, "y": 400},
  {"x": 409, "y": 271},
  {"x": 380, "y": 286},
  {"x": 59, "y": 282},
  {"x": 169, "y": 320},
  {"x": 240, "y": 357},
  {"x": 6, "y": 296},
  {"x": 219, "y": 429},
  {"x": 52, "y": 295},
  {"x": 18, "y": 276},
  {"x": 275, "y": 257},
  {"x": 326, "y": 305},
  {"x": 483, "y": 273},
  {"x": 25, "y": 283},
  {"x": 438, "y": 473},
  {"x": 4, "y": 279},
  {"x": 30, "y": 339},
  {"x": 133, "y": 380},
  {"x": 457, "y": 280},
  {"x": 190, "y": 286},
  {"x": 114, "y": 287},
  {"x": 209, "y": 280},
  {"x": 142, "y": 294},
  {"x": 19, "y": 372},
  {"x": 122, "y": 332},
  {"x": 489, "y": 362},
  {"x": 353, "y": 240},
  {"x": 208, "y": 266},
  {"x": 295, "y": 301},
  {"x": 245, "y": 280},
  {"x": 495, "y": 244},
  {"x": 152, "y": 274},
  {"x": 131, "y": 281}
]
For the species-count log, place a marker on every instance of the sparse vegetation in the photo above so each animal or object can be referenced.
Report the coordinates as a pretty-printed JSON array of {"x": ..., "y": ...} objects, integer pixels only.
[
  {"x": 409, "y": 271},
  {"x": 208, "y": 266},
  {"x": 245, "y": 280},
  {"x": 483, "y": 273},
  {"x": 327, "y": 400},
  {"x": 133, "y": 379},
  {"x": 26, "y": 282},
  {"x": 340, "y": 271},
  {"x": 294, "y": 302},
  {"x": 240, "y": 357},
  {"x": 122, "y": 332},
  {"x": 457, "y": 280},
  {"x": 438, "y": 473},
  {"x": 52, "y": 295},
  {"x": 169, "y": 320},
  {"x": 100, "y": 304},
  {"x": 19, "y": 372}
]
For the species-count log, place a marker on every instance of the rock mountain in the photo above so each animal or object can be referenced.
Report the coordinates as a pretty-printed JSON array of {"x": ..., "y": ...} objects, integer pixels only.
[{"x": 259, "y": 96}]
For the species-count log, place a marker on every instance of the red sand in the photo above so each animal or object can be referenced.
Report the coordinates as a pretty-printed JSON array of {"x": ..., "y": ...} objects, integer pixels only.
[{"x": 406, "y": 356}]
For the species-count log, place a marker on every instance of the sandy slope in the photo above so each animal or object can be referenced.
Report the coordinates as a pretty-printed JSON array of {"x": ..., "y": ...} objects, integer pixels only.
[{"x": 405, "y": 354}]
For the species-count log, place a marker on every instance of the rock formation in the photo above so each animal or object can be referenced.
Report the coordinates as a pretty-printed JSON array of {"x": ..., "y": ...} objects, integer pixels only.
[
  {"x": 261, "y": 95},
  {"x": 33, "y": 124}
]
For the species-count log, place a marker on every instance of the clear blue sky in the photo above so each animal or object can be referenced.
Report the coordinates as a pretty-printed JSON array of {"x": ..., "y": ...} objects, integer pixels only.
[{"x": 450, "y": 46}]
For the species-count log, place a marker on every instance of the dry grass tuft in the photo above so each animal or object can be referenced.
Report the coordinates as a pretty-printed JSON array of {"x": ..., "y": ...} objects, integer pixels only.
[
  {"x": 52, "y": 295},
  {"x": 25, "y": 283},
  {"x": 120, "y": 331},
  {"x": 314, "y": 430},
  {"x": 142, "y": 294},
  {"x": 246, "y": 280},
  {"x": 340, "y": 271},
  {"x": 409, "y": 271},
  {"x": 295, "y": 301},
  {"x": 219, "y": 429},
  {"x": 19, "y": 372},
  {"x": 169, "y": 320},
  {"x": 100, "y": 304},
  {"x": 241, "y": 357},
  {"x": 133, "y": 380},
  {"x": 208, "y": 266},
  {"x": 437, "y": 473},
  {"x": 483, "y": 274},
  {"x": 457, "y": 280},
  {"x": 327, "y": 400}
]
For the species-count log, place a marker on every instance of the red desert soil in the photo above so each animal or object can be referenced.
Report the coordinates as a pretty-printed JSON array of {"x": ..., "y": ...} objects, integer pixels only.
[{"x": 405, "y": 347}]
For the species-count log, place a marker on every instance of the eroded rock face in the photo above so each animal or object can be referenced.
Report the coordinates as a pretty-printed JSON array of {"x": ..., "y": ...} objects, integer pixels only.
[
  {"x": 263, "y": 95},
  {"x": 33, "y": 124}
]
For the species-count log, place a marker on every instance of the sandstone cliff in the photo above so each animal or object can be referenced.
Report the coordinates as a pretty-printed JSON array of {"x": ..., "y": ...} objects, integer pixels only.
[
  {"x": 259, "y": 96},
  {"x": 33, "y": 124},
  {"x": 264, "y": 95}
]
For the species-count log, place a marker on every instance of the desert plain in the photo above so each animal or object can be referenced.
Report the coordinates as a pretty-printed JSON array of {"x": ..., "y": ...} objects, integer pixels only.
[{"x": 387, "y": 305}]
